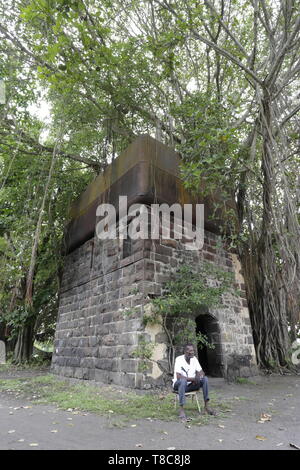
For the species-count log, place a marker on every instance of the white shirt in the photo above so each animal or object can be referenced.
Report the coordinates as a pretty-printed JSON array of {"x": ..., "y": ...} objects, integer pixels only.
[{"x": 185, "y": 369}]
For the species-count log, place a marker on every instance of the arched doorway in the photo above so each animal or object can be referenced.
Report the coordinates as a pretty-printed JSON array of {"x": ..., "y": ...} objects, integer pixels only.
[{"x": 211, "y": 360}]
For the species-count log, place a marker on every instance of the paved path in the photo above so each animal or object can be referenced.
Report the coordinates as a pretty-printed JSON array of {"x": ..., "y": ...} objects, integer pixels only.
[{"x": 24, "y": 424}]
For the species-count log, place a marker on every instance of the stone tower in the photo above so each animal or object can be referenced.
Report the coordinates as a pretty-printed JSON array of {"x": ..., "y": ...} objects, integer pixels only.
[{"x": 103, "y": 281}]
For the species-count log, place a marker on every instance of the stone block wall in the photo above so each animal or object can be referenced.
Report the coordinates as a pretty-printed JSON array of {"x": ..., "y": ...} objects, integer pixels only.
[{"x": 102, "y": 300}]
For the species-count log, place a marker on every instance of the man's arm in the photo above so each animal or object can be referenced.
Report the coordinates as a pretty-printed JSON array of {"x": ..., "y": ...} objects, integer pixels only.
[
  {"x": 199, "y": 374},
  {"x": 184, "y": 373},
  {"x": 189, "y": 379}
]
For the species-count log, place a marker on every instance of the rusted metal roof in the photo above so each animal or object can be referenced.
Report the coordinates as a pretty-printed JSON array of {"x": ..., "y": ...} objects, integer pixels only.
[{"x": 146, "y": 172}]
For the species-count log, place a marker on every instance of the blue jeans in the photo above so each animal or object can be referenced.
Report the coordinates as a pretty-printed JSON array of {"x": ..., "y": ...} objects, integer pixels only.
[{"x": 182, "y": 387}]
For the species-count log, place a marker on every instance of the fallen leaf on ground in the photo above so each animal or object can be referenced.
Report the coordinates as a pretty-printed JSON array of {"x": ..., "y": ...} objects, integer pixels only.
[
  {"x": 171, "y": 448},
  {"x": 138, "y": 445},
  {"x": 110, "y": 411},
  {"x": 21, "y": 440},
  {"x": 33, "y": 444},
  {"x": 221, "y": 426},
  {"x": 10, "y": 432},
  {"x": 133, "y": 425},
  {"x": 261, "y": 438},
  {"x": 280, "y": 444},
  {"x": 264, "y": 417},
  {"x": 54, "y": 430},
  {"x": 220, "y": 440},
  {"x": 165, "y": 432}
]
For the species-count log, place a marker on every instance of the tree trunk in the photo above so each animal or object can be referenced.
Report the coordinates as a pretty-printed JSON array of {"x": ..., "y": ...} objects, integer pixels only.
[
  {"x": 24, "y": 345},
  {"x": 5, "y": 336},
  {"x": 267, "y": 306},
  {"x": 2, "y": 331},
  {"x": 266, "y": 279}
]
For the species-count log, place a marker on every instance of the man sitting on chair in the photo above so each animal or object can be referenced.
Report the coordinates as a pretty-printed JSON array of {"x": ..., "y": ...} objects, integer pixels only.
[{"x": 189, "y": 377}]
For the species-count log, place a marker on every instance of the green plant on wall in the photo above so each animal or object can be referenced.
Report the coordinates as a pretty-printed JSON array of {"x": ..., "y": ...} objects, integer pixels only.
[
  {"x": 175, "y": 311},
  {"x": 144, "y": 352}
]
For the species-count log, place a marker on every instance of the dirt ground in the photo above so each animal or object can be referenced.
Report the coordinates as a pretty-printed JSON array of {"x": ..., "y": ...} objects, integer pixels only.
[{"x": 274, "y": 400}]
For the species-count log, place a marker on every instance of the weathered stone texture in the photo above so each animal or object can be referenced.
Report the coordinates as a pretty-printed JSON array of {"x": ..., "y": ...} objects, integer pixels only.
[{"x": 102, "y": 301}]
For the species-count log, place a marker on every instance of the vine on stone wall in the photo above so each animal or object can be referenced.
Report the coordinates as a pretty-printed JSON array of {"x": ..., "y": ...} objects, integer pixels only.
[{"x": 184, "y": 296}]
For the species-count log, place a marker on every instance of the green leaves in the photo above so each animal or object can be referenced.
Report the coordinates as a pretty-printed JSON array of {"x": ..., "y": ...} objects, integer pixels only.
[
  {"x": 187, "y": 293},
  {"x": 144, "y": 352},
  {"x": 179, "y": 70}
]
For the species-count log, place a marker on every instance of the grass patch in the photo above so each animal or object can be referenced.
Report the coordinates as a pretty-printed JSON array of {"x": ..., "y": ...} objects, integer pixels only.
[
  {"x": 243, "y": 380},
  {"x": 118, "y": 405},
  {"x": 34, "y": 364}
]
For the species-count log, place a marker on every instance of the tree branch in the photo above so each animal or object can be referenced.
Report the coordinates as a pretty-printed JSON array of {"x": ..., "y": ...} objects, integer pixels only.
[
  {"x": 214, "y": 46},
  {"x": 221, "y": 23},
  {"x": 25, "y": 139},
  {"x": 289, "y": 116},
  {"x": 272, "y": 75}
]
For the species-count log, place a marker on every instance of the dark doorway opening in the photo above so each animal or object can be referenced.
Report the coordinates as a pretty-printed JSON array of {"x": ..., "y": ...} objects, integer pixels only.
[{"x": 211, "y": 360}]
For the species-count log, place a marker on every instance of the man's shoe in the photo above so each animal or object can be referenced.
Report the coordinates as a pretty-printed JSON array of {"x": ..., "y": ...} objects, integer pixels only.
[{"x": 209, "y": 411}]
